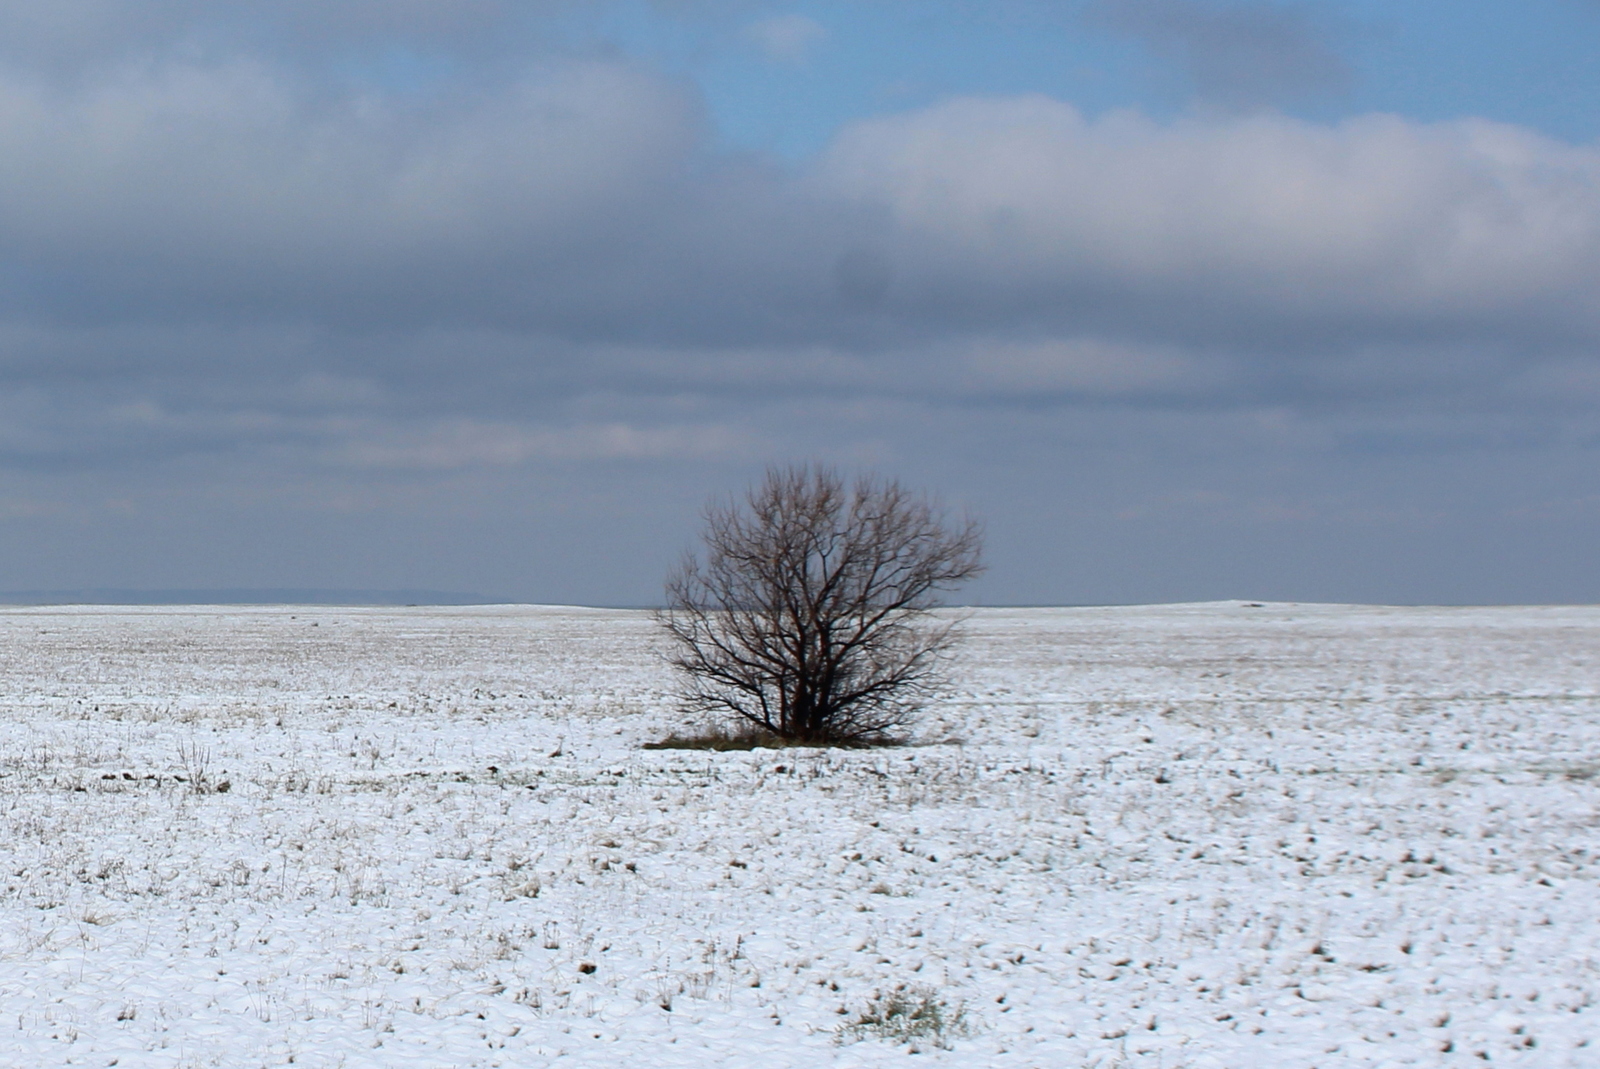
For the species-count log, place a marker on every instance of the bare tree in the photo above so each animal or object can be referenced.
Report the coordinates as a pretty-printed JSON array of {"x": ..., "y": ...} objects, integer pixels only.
[{"x": 810, "y": 616}]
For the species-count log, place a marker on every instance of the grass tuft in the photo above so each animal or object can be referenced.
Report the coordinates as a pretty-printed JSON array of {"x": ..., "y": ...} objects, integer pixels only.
[{"x": 910, "y": 1014}]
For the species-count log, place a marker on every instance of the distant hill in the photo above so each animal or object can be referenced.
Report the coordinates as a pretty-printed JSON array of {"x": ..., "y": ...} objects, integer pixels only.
[{"x": 243, "y": 596}]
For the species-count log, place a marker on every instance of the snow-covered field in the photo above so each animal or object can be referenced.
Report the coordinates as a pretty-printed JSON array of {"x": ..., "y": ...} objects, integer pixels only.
[{"x": 1215, "y": 835}]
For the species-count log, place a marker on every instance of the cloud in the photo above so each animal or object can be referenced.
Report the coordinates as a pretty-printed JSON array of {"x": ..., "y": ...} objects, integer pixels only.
[
  {"x": 786, "y": 38},
  {"x": 1083, "y": 367},
  {"x": 581, "y": 202},
  {"x": 1240, "y": 55},
  {"x": 234, "y": 186},
  {"x": 569, "y": 251},
  {"x": 1244, "y": 231},
  {"x": 77, "y": 38},
  {"x": 225, "y": 278},
  {"x": 468, "y": 443}
]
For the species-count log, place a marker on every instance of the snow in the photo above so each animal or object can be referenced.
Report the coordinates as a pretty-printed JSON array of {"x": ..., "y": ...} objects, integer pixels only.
[{"x": 1206, "y": 835}]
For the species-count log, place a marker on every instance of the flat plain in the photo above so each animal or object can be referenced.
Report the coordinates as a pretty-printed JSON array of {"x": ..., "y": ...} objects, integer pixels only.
[{"x": 1215, "y": 835}]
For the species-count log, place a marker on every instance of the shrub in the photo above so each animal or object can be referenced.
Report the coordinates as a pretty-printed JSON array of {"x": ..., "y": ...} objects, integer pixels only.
[{"x": 810, "y": 617}]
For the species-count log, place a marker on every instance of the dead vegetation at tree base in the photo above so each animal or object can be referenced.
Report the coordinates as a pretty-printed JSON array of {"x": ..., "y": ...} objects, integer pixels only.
[{"x": 722, "y": 738}]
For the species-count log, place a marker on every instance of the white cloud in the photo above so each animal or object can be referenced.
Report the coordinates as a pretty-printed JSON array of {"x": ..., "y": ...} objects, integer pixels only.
[
  {"x": 1264, "y": 216},
  {"x": 786, "y": 38},
  {"x": 471, "y": 443}
]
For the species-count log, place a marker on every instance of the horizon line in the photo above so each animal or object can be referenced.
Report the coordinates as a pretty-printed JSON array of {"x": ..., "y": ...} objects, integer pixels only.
[{"x": 422, "y": 598}]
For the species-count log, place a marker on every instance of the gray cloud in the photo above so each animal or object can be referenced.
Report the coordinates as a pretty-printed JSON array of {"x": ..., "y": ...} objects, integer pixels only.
[
  {"x": 1240, "y": 55},
  {"x": 580, "y": 202},
  {"x": 236, "y": 292},
  {"x": 208, "y": 231}
]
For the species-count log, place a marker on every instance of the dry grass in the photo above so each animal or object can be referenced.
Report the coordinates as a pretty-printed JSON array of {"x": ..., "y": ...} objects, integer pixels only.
[
  {"x": 724, "y": 737},
  {"x": 914, "y": 1015},
  {"x": 721, "y": 737}
]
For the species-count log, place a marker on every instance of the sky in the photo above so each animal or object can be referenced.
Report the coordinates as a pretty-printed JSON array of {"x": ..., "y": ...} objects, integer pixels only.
[{"x": 1184, "y": 299}]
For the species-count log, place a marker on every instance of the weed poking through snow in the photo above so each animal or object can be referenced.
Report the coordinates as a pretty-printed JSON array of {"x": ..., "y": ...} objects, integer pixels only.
[{"x": 912, "y": 1014}]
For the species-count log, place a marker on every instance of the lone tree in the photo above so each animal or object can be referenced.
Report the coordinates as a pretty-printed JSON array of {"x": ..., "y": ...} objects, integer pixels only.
[{"x": 810, "y": 616}]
